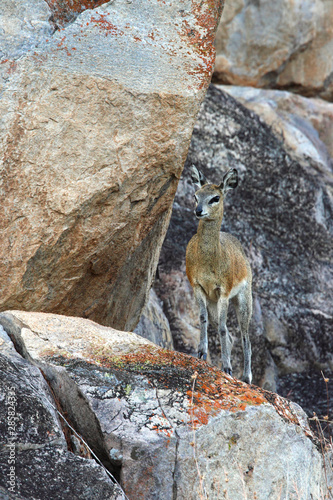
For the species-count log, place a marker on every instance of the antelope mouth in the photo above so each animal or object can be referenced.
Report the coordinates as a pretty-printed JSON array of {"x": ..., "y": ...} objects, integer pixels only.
[{"x": 201, "y": 216}]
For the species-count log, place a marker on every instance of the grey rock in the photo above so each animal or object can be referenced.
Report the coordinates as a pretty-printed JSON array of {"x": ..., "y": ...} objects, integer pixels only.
[
  {"x": 243, "y": 446},
  {"x": 24, "y": 25},
  {"x": 177, "y": 427},
  {"x": 304, "y": 124},
  {"x": 7, "y": 495},
  {"x": 285, "y": 230},
  {"x": 275, "y": 331}
]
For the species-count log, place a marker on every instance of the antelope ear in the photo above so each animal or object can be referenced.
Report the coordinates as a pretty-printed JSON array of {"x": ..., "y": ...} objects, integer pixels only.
[
  {"x": 198, "y": 178},
  {"x": 230, "y": 180}
]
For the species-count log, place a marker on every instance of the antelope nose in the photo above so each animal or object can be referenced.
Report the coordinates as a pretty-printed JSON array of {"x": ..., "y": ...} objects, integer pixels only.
[{"x": 198, "y": 211}]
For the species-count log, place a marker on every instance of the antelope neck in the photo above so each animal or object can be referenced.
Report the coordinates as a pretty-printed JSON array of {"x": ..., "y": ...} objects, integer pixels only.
[{"x": 208, "y": 233}]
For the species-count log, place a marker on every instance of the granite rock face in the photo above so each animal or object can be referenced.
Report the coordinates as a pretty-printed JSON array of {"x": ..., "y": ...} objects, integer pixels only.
[
  {"x": 304, "y": 124},
  {"x": 34, "y": 457},
  {"x": 282, "y": 213},
  {"x": 284, "y": 44},
  {"x": 174, "y": 426},
  {"x": 96, "y": 120}
]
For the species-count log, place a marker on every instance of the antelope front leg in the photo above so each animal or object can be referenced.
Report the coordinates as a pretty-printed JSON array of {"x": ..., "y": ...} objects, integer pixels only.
[
  {"x": 202, "y": 304},
  {"x": 247, "y": 375}
]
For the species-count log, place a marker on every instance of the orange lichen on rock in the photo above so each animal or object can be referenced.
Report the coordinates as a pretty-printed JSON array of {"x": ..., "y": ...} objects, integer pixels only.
[
  {"x": 11, "y": 65},
  {"x": 208, "y": 390},
  {"x": 207, "y": 15},
  {"x": 199, "y": 391},
  {"x": 105, "y": 25}
]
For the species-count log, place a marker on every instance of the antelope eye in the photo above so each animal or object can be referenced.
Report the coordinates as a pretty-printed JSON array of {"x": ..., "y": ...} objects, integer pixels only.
[
  {"x": 196, "y": 199},
  {"x": 216, "y": 199}
]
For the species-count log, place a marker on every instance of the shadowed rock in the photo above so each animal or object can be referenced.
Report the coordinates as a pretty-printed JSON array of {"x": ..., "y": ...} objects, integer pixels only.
[
  {"x": 34, "y": 457},
  {"x": 282, "y": 213}
]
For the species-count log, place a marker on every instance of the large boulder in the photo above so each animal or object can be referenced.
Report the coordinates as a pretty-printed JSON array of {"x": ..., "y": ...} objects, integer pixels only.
[
  {"x": 282, "y": 44},
  {"x": 35, "y": 460},
  {"x": 174, "y": 426},
  {"x": 282, "y": 213},
  {"x": 96, "y": 120}
]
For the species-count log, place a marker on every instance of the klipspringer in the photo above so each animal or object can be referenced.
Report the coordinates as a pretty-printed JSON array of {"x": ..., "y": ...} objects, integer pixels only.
[{"x": 219, "y": 271}]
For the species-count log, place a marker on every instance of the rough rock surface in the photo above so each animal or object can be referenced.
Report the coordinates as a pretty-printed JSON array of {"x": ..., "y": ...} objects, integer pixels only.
[
  {"x": 96, "y": 121},
  {"x": 282, "y": 213},
  {"x": 304, "y": 124},
  {"x": 34, "y": 457},
  {"x": 65, "y": 12},
  {"x": 176, "y": 427},
  {"x": 284, "y": 44},
  {"x": 24, "y": 25}
]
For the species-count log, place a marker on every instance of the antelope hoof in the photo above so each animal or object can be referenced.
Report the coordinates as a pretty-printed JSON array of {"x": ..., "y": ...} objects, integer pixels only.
[
  {"x": 202, "y": 354},
  {"x": 228, "y": 371},
  {"x": 247, "y": 379}
]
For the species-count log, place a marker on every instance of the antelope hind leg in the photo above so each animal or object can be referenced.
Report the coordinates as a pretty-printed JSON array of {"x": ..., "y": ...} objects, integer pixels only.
[{"x": 243, "y": 306}]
